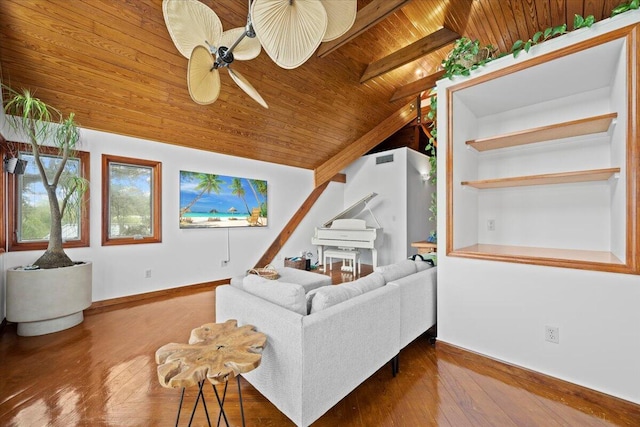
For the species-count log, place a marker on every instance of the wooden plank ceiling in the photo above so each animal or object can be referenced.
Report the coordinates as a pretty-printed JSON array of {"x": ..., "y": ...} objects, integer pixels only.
[{"x": 113, "y": 63}]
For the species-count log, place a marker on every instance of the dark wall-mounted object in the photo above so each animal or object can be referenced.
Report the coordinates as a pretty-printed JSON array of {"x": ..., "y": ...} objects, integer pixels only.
[{"x": 14, "y": 165}]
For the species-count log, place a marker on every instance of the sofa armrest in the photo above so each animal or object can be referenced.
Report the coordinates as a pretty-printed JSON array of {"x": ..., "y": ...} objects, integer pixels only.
[
  {"x": 345, "y": 344},
  {"x": 417, "y": 304},
  {"x": 279, "y": 376}
]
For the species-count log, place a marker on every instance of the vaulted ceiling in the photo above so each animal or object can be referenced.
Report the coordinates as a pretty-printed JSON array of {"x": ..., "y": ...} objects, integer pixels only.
[{"x": 113, "y": 63}]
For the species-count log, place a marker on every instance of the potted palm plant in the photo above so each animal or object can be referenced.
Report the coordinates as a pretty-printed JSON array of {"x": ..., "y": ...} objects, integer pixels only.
[{"x": 50, "y": 294}]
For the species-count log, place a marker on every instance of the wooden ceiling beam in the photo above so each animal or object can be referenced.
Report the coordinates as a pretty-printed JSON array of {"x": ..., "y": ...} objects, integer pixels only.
[
  {"x": 375, "y": 136},
  {"x": 366, "y": 18},
  {"x": 422, "y": 47},
  {"x": 340, "y": 177},
  {"x": 418, "y": 86}
]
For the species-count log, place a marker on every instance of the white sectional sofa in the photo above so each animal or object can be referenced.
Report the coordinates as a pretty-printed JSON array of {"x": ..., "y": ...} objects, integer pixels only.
[{"x": 312, "y": 361}]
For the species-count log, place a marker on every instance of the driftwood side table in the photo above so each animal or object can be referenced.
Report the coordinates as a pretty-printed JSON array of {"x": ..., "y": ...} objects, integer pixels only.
[{"x": 216, "y": 352}]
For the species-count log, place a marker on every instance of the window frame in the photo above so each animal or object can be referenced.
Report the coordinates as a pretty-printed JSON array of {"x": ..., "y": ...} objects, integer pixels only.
[
  {"x": 156, "y": 203},
  {"x": 3, "y": 201},
  {"x": 12, "y": 180}
]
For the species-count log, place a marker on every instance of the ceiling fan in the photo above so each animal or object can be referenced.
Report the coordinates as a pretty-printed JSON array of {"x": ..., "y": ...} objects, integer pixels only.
[
  {"x": 197, "y": 33},
  {"x": 289, "y": 30}
]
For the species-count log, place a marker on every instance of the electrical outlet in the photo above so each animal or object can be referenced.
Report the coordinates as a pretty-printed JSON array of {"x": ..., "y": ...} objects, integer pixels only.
[
  {"x": 491, "y": 224},
  {"x": 552, "y": 334},
  {"x": 224, "y": 263},
  {"x": 147, "y": 274}
]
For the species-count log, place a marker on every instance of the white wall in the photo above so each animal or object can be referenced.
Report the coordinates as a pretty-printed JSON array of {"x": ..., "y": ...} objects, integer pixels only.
[
  {"x": 501, "y": 309},
  {"x": 389, "y": 206},
  {"x": 418, "y": 199},
  {"x": 191, "y": 256},
  {"x": 185, "y": 256},
  {"x": 328, "y": 205},
  {"x": 402, "y": 204}
]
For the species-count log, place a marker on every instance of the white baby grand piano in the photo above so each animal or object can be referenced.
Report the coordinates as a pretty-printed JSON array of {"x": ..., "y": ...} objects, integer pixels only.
[{"x": 345, "y": 232}]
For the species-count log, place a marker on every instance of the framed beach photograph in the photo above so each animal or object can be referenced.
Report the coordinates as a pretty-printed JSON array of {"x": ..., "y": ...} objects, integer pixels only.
[{"x": 218, "y": 201}]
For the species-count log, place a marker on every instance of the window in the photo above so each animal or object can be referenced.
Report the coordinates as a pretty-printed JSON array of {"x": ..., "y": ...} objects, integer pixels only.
[
  {"x": 28, "y": 208},
  {"x": 131, "y": 201}
]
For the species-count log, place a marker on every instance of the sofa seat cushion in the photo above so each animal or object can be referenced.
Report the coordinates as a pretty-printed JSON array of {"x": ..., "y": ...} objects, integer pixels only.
[
  {"x": 397, "y": 271},
  {"x": 288, "y": 295}
]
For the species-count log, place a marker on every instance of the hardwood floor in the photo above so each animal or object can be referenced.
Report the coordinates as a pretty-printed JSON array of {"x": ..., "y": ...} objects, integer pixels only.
[{"x": 103, "y": 373}]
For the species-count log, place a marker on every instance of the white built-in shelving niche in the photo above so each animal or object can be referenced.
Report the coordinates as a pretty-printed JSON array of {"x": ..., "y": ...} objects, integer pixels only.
[{"x": 540, "y": 155}]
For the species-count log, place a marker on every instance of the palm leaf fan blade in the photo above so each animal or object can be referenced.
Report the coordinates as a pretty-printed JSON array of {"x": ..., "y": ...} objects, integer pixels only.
[
  {"x": 202, "y": 79},
  {"x": 190, "y": 24},
  {"x": 248, "y": 48},
  {"x": 289, "y": 31},
  {"x": 341, "y": 14},
  {"x": 244, "y": 84}
]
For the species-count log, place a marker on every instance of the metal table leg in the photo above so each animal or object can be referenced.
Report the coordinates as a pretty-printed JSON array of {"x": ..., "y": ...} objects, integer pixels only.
[{"x": 195, "y": 405}]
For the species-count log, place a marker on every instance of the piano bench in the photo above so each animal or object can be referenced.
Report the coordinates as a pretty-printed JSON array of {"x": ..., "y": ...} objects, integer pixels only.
[{"x": 351, "y": 255}]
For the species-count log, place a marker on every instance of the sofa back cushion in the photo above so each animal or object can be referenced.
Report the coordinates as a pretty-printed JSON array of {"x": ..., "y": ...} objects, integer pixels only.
[
  {"x": 239, "y": 282},
  {"x": 369, "y": 282},
  {"x": 397, "y": 271},
  {"x": 309, "y": 297},
  {"x": 288, "y": 295},
  {"x": 328, "y": 296},
  {"x": 422, "y": 265}
]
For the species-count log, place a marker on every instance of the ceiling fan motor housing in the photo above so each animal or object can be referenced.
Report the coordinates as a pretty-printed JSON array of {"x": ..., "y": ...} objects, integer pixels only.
[{"x": 225, "y": 58}]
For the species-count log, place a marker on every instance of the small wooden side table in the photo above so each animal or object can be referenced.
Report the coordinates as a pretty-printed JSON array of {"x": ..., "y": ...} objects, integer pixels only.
[
  {"x": 424, "y": 247},
  {"x": 216, "y": 352}
]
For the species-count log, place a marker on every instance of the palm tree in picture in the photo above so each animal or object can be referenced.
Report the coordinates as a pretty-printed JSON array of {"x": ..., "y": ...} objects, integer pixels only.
[
  {"x": 238, "y": 190},
  {"x": 206, "y": 184},
  {"x": 261, "y": 188},
  {"x": 252, "y": 186}
]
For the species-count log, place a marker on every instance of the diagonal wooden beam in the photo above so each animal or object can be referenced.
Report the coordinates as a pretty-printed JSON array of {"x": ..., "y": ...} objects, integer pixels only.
[
  {"x": 293, "y": 223},
  {"x": 422, "y": 47},
  {"x": 418, "y": 86},
  {"x": 295, "y": 220},
  {"x": 375, "y": 136},
  {"x": 366, "y": 18}
]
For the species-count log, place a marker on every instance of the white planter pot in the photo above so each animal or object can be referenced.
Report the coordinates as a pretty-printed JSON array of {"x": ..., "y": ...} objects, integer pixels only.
[{"x": 48, "y": 300}]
